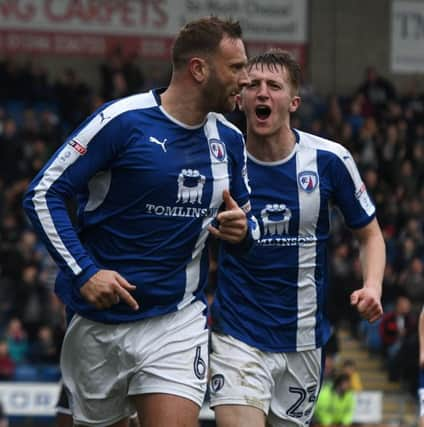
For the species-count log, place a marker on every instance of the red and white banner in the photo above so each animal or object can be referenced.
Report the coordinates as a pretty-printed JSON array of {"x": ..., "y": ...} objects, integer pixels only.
[{"x": 147, "y": 27}]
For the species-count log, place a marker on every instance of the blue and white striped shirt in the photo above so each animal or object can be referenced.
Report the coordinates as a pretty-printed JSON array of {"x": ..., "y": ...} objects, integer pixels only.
[
  {"x": 147, "y": 187},
  {"x": 274, "y": 298}
]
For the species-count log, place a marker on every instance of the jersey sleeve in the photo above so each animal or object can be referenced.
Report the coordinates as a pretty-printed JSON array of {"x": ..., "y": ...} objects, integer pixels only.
[
  {"x": 240, "y": 191},
  {"x": 350, "y": 193},
  {"x": 89, "y": 150}
]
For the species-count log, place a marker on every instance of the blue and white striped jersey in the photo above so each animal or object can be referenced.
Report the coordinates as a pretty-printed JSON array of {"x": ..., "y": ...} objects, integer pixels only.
[
  {"x": 273, "y": 298},
  {"x": 147, "y": 187}
]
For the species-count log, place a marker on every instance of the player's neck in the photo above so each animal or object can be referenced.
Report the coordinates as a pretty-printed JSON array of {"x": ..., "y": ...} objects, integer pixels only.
[
  {"x": 183, "y": 105},
  {"x": 271, "y": 148}
]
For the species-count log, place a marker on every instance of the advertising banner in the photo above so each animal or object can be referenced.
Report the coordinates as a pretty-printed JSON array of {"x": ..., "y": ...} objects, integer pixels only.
[
  {"x": 407, "y": 36},
  {"x": 146, "y": 27},
  {"x": 27, "y": 399}
]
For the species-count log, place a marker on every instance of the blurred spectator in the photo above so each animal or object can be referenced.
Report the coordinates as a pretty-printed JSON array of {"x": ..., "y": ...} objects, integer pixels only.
[
  {"x": 407, "y": 250},
  {"x": 412, "y": 281},
  {"x": 355, "y": 116},
  {"x": 45, "y": 348},
  {"x": 405, "y": 177},
  {"x": 333, "y": 122},
  {"x": 391, "y": 288},
  {"x": 10, "y": 152},
  {"x": 329, "y": 373},
  {"x": 349, "y": 368},
  {"x": 73, "y": 97},
  {"x": 336, "y": 403},
  {"x": 396, "y": 326},
  {"x": 341, "y": 270},
  {"x": 392, "y": 153},
  {"x": 17, "y": 341},
  {"x": 120, "y": 75},
  {"x": 112, "y": 65},
  {"x": 367, "y": 145},
  {"x": 7, "y": 365},
  {"x": 133, "y": 74},
  {"x": 377, "y": 91},
  {"x": 31, "y": 297}
]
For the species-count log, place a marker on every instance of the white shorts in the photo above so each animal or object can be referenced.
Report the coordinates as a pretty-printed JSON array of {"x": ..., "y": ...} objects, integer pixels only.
[
  {"x": 103, "y": 364},
  {"x": 282, "y": 385}
]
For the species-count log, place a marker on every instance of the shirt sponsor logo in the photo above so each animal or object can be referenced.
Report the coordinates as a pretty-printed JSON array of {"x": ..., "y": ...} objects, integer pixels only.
[
  {"x": 364, "y": 200},
  {"x": 77, "y": 147},
  {"x": 287, "y": 241},
  {"x": 361, "y": 190},
  {"x": 181, "y": 211}
]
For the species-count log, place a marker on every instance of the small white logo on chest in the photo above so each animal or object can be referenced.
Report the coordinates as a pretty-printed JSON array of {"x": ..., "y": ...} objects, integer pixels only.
[{"x": 161, "y": 143}]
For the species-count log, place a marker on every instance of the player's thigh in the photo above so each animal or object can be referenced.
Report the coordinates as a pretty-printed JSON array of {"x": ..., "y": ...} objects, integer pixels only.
[
  {"x": 296, "y": 390},
  {"x": 239, "y": 416},
  {"x": 240, "y": 374},
  {"x": 166, "y": 410}
]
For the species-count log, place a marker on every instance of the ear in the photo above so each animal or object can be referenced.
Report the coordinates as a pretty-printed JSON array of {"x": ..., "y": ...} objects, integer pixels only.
[
  {"x": 198, "y": 69},
  {"x": 294, "y": 104}
]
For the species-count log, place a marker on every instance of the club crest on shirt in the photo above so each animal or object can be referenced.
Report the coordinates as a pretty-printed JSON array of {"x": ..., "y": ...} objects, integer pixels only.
[
  {"x": 308, "y": 181},
  {"x": 217, "y": 148}
]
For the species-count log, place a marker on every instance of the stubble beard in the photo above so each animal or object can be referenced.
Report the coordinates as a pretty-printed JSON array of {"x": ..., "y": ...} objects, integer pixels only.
[{"x": 216, "y": 97}]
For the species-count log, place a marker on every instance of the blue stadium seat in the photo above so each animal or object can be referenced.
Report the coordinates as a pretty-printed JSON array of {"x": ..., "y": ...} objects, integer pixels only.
[
  {"x": 371, "y": 336},
  {"x": 15, "y": 109},
  {"x": 26, "y": 373},
  {"x": 49, "y": 373}
]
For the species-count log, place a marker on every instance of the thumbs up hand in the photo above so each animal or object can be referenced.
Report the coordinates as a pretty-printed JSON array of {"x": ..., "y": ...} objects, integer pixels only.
[{"x": 232, "y": 221}]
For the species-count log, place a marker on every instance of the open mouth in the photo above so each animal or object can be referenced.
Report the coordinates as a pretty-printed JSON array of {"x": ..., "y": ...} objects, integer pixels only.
[{"x": 262, "y": 112}]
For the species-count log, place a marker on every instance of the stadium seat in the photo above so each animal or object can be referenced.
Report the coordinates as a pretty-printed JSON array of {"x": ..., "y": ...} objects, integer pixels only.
[
  {"x": 49, "y": 373},
  {"x": 26, "y": 373}
]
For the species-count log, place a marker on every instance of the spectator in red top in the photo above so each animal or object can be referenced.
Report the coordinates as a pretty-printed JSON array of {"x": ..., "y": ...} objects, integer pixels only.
[
  {"x": 7, "y": 365},
  {"x": 396, "y": 326}
]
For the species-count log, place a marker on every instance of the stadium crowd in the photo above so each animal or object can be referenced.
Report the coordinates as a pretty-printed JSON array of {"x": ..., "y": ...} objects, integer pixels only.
[{"x": 382, "y": 128}]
